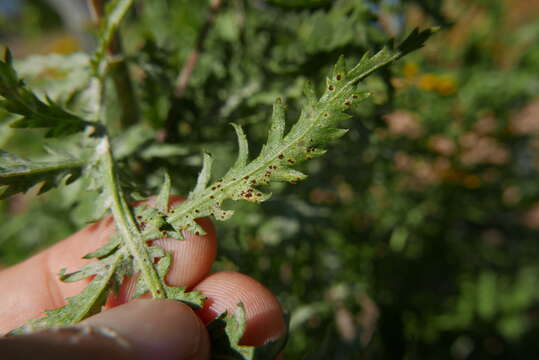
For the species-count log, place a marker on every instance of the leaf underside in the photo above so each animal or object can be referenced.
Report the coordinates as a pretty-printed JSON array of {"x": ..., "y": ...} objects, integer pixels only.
[{"x": 308, "y": 138}]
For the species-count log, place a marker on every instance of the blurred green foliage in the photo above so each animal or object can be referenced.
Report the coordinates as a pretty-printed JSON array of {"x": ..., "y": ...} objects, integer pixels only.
[{"x": 416, "y": 237}]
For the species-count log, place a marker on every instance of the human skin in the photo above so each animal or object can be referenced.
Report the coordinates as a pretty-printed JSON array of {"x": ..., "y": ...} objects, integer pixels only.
[{"x": 169, "y": 327}]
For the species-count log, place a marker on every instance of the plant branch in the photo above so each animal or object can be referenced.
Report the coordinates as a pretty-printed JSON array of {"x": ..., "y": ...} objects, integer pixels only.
[
  {"x": 125, "y": 222},
  {"x": 182, "y": 81},
  {"x": 120, "y": 72}
]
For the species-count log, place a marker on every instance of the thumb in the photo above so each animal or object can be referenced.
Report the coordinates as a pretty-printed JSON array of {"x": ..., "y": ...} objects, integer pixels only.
[{"x": 142, "y": 329}]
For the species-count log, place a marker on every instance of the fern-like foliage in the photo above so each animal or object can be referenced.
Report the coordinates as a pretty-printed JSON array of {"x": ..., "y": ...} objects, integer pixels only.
[
  {"x": 18, "y": 99},
  {"x": 308, "y": 138},
  {"x": 129, "y": 252},
  {"x": 19, "y": 175}
]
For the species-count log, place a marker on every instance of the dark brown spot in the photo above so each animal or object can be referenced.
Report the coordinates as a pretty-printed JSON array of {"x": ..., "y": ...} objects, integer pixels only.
[
  {"x": 245, "y": 178},
  {"x": 331, "y": 88},
  {"x": 281, "y": 156},
  {"x": 253, "y": 182},
  {"x": 290, "y": 161},
  {"x": 248, "y": 195},
  {"x": 347, "y": 102},
  {"x": 197, "y": 233},
  {"x": 354, "y": 96},
  {"x": 338, "y": 77},
  {"x": 211, "y": 196}
]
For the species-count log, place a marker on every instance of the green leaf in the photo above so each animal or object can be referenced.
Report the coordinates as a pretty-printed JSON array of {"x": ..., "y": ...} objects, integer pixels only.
[
  {"x": 111, "y": 245},
  {"x": 204, "y": 176},
  {"x": 83, "y": 305},
  {"x": 314, "y": 130},
  {"x": 18, "y": 99},
  {"x": 161, "y": 201},
  {"x": 416, "y": 40},
  {"x": 226, "y": 332},
  {"x": 243, "y": 149},
  {"x": 19, "y": 175}
]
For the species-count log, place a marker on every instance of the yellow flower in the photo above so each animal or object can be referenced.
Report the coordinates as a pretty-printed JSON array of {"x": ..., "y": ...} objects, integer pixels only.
[
  {"x": 410, "y": 70},
  {"x": 442, "y": 84},
  {"x": 427, "y": 82},
  {"x": 446, "y": 85}
]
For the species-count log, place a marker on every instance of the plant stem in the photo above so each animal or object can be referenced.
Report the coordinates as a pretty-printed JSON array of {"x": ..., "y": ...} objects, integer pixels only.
[
  {"x": 120, "y": 72},
  {"x": 125, "y": 222},
  {"x": 182, "y": 81}
]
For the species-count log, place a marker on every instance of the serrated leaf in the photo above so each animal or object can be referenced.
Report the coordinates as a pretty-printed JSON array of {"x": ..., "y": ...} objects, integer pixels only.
[
  {"x": 18, "y": 99},
  {"x": 226, "y": 332},
  {"x": 161, "y": 201},
  {"x": 19, "y": 175},
  {"x": 416, "y": 40},
  {"x": 310, "y": 94},
  {"x": 112, "y": 244},
  {"x": 277, "y": 125},
  {"x": 243, "y": 149},
  {"x": 79, "y": 307},
  {"x": 204, "y": 175},
  {"x": 315, "y": 128}
]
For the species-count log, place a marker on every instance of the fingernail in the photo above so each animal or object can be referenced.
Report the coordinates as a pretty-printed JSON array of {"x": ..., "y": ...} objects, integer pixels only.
[{"x": 155, "y": 329}]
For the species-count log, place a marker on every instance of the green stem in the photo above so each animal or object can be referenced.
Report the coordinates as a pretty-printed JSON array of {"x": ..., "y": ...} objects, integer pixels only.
[
  {"x": 123, "y": 217},
  {"x": 125, "y": 222},
  {"x": 119, "y": 69}
]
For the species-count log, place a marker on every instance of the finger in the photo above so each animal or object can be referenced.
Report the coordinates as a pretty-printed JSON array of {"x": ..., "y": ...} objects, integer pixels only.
[
  {"x": 157, "y": 329},
  {"x": 264, "y": 315},
  {"x": 34, "y": 284},
  {"x": 145, "y": 329}
]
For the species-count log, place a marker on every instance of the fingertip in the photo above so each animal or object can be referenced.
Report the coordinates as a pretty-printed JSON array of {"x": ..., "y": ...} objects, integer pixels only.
[{"x": 264, "y": 315}]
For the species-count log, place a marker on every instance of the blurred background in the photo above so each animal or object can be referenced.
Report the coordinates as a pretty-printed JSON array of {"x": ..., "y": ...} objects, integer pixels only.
[{"x": 415, "y": 237}]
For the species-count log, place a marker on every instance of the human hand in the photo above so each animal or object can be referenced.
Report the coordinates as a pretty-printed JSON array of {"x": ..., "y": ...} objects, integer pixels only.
[{"x": 140, "y": 329}]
